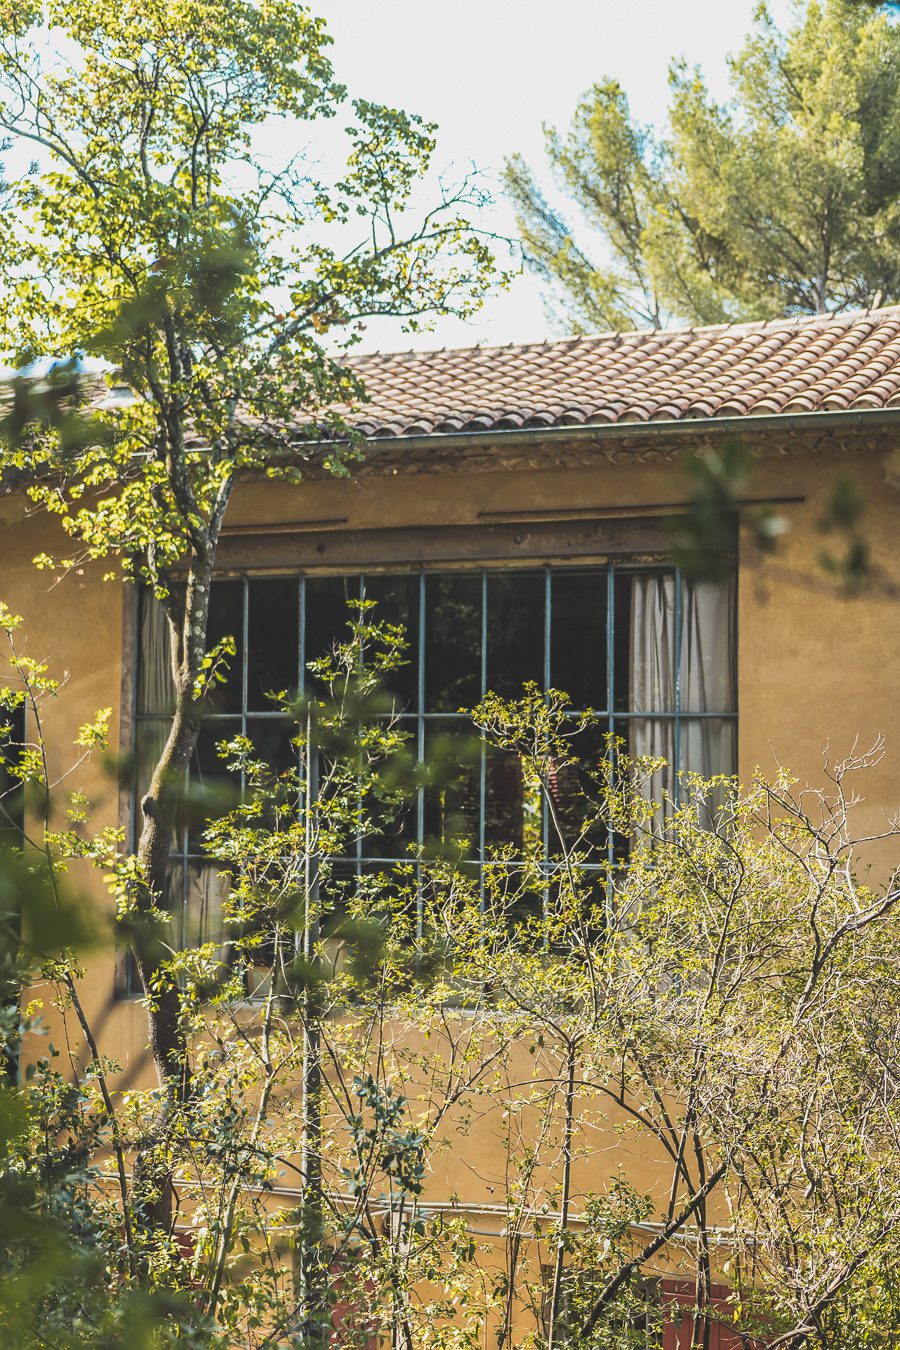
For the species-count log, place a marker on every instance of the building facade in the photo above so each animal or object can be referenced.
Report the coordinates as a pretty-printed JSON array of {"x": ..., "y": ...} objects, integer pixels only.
[{"x": 513, "y": 510}]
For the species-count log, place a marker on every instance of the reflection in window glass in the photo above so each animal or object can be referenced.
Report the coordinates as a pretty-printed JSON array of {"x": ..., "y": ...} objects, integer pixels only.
[
  {"x": 513, "y": 805},
  {"x": 452, "y": 801},
  {"x": 452, "y": 641},
  {"x": 578, "y": 637},
  {"x": 327, "y": 610},
  {"x": 273, "y": 641},
  {"x": 515, "y": 631},
  {"x": 397, "y": 602},
  {"x": 665, "y": 648},
  {"x": 573, "y": 789},
  {"x": 226, "y": 619}
]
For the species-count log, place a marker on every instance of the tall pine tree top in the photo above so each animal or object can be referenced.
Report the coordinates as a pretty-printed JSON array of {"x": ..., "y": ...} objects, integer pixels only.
[{"x": 783, "y": 200}]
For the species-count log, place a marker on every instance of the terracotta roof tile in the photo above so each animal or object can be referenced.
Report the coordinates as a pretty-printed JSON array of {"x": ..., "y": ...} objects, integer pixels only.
[{"x": 782, "y": 366}]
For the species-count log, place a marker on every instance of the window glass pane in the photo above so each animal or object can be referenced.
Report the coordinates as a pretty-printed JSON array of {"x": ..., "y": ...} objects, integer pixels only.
[
  {"x": 155, "y": 691},
  {"x": 272, "y": 742},
  {"x": 393, "y": 806},
  {"x": 150, "y": 739},
  {"x": 176, "y": 889},
  {"x": 397, "y": 602},
  {"x": 513, "y": 804},
  {"x": 709, "y": 745},
  {"x": 273, "y": 746},
  {"x": 213, "y": 788},
  {"x": 516, "y": 891},
  {"x": 645, "y": 642},
  {"x": 337, "y": 887},
  {"x": 394, "y": 831},
  {"x": 515, "y": 629},
  {"x": 328, "y": 614},
  {"x": 583, "y": 890},
  {"x": 621, "y": 653},
  {"x": 204, "y": 921},
  {"x": 226, "y": 619},
  {"x": 452, "y": 641},
  {"x": 575, "y": 793},
  {"x": 273, "y": 640},
  {"x": 708, "y": 656},
  {"x": 392, "y": 887},
  {"x": 578, "y": 637},
  {"x": 653, "y": 737},
  {"x": 453, "y": 794}
]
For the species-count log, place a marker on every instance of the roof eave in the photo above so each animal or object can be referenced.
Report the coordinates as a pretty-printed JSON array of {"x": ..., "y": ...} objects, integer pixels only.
[{"x": 860, "y": 419}]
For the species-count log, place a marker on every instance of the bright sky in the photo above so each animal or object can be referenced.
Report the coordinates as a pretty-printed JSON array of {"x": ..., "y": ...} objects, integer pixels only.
[{"x": 490, "y": 72}]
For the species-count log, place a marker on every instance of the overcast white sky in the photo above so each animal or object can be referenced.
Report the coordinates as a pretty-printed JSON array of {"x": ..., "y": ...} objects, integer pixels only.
[{"x": 490, "y": 72}]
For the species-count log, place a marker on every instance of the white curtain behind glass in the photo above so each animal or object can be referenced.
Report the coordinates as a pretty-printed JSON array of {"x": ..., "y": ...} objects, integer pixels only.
[
  {"x": 155, "y": 692},
  {"x": 707, "y": 674},
  {"x": 651, "y": 684}
]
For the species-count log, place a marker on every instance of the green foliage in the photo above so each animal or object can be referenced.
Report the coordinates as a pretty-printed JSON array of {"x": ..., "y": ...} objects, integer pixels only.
[
  {"x": 219, "y": 284},
  {"x": 713, "y": 994},
  {"x": 781, "y": 201},
  {"x": 153, "y": 232}
]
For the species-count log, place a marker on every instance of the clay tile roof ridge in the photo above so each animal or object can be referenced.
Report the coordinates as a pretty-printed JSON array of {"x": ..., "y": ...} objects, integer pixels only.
[
  {"x": 787, "y": 323},
  {"x": 783, "y": 364},
  {"x": 734, "y": 326}
]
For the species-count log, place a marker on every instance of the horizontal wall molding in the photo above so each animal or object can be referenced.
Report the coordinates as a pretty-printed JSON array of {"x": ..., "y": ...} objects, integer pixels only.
[{"x": 533, "y": 540}]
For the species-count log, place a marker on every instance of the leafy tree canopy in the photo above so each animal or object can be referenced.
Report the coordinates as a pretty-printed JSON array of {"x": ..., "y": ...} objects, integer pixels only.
[
  {"x": 783, "y": 200},
  {"x": 172, "y": 226}
]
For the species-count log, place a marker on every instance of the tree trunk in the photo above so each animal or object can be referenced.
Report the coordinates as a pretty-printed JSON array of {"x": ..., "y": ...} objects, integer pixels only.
[
  {"x": 312, "y": 1261},
  {"x": 152, "y": 1186},
  {"x": 554, "y": 1336}
]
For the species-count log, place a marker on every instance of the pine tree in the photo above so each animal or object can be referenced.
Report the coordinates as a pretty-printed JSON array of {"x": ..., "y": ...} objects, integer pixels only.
[{"x": 783, "y": 200}]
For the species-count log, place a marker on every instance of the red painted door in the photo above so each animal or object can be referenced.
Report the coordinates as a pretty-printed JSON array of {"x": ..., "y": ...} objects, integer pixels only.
[{"x": 677, "y": 1331}]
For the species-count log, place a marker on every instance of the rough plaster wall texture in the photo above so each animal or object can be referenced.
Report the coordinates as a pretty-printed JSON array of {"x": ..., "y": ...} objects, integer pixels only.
[
  {"x": 77, "y": 625},
  {"x": 813, "y": 668},
  {"x": 454, "y": 498},
  {"x": 819, "y": 671}
]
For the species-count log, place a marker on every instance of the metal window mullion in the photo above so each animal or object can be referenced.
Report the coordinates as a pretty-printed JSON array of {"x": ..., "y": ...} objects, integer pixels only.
[
  {"x": 610, "y": 684},
  {"x": 359, "y": 838},
  {"x": 420, "y": 752},
  {"x": 676, "y": 753},
  {"x": 140, "y": 599},
  {"x": 482, "y": 776},
  {"x": 245, "y": 666},
  {"x": 131, "y": 984},
  {"x": 545, "y": 809},
  {"x": 302, "y": 742},
  {"x": 301, "y": 672},
  {"x": 185, "y": 854}
]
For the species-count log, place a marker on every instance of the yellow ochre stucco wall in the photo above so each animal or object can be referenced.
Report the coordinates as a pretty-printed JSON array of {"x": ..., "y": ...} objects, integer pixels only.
[{"x": 815, "y": 669}]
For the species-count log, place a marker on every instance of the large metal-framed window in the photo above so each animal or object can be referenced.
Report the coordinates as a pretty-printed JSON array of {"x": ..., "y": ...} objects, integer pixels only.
[{"x": 649, "y": 651}]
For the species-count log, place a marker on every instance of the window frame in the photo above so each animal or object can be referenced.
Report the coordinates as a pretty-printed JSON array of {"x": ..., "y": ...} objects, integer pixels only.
[{"x": 609, "y": 568}]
